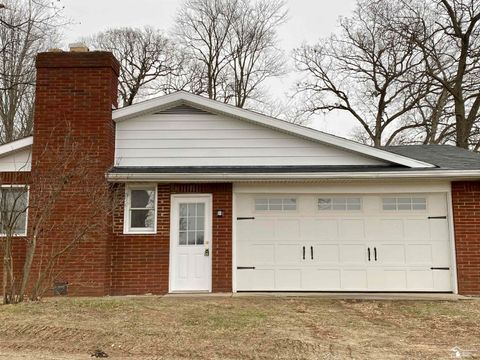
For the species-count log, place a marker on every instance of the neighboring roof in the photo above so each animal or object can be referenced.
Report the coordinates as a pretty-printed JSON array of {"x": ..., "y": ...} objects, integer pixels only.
[
  {"x": 202, "y": 103},
  {"x": 16, "y": 145},
  {"x": 443, "y": 156}
]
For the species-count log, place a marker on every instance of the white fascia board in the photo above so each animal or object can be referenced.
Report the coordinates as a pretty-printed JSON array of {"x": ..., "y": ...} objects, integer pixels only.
[
  {"x": 204, "y": 103},
  {"x": 188, "y": 177},
  {"x": 16, "y": 145}
]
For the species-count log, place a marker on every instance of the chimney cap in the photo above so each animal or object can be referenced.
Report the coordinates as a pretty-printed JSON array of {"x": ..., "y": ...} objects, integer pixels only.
[{"x": 78, "y": 47}]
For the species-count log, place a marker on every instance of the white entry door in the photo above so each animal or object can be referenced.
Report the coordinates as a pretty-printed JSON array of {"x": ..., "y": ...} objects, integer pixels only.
[{"x": 191, "y": 243}]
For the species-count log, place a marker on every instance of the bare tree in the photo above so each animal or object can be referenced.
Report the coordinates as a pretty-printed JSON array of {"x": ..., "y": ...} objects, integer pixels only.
[
  {"x": 369, "y": 71},
  {"x": 448, "y": 34},
  {"x": 202, "y": 28},
  {"x": 232, "y": 44},
  {"x": 26, "y": 28},
  {"x": 71, "y": 181},
  {"x": 148, "y": 59},
  {"x": 253, "y": 47}
]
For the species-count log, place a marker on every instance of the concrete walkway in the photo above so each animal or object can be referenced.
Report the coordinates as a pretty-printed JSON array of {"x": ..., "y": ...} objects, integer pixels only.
[{"x": 333, "y": 295}]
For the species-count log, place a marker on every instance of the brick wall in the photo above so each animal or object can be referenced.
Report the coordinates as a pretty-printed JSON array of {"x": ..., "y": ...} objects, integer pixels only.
[
  {"x": 140, "y": 263},
  {"x": 75, "y": 93},
  {"x": 466, "y": 214}
]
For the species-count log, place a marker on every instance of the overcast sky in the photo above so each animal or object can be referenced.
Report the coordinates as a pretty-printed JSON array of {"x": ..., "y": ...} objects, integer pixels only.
[{"x": 308, "y": 21}]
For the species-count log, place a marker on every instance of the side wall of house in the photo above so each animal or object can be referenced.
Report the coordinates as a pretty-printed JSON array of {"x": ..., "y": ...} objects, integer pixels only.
[
  {"x": 466, "y": 215},
  {"x": 140, "y": 263}
]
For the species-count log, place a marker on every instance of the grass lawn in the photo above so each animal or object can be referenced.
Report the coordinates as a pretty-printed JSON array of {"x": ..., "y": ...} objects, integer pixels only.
[{"x": 238, "y": 328}]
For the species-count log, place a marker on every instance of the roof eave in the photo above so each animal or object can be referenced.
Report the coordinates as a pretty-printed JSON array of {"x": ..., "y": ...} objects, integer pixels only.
[{"x": 230, "y": 177}]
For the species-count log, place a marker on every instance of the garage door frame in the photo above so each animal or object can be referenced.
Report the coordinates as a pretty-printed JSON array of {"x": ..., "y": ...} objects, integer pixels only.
[{"x": 429, "y": 187}]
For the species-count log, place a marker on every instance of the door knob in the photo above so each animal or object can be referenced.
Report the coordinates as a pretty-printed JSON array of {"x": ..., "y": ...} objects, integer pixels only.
[
  {"x": 206, "y": 252},
  {"x": 311, "y": 252},
  {"x": 304, "y": 253},
  {"x": 368, "y": 251}
]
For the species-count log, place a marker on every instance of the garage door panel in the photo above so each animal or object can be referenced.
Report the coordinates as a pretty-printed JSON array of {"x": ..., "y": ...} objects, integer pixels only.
[
  {"x": 326, "y": 253},
  {"x": 417, "y": 229},
  {"x": 326, "y": 279},
  {"x": 392, "y": 254},
  {"x": 261, "y": 229},
  {"x": 288, "y": 279},
  {"x": 441, "y": 280},
  {"x": 419, "y": 254},
  {"x": 319, "y": 229},
  {"x": 353, "y": 254},
  {"x": 263, "y": 279},
  {"x": 354, "y": 279},
  {"x": 439, "y": 230},
  {"x": 420, "y": 280},
  {"x": 287, "y": 229},
  {"x": 395, "y": 279},
  {"x": 288, "y": 254},
  {"x": 392, "y": 227},
  {"x": 263, "y": 254},
  {"x": 352, "y": 229}
]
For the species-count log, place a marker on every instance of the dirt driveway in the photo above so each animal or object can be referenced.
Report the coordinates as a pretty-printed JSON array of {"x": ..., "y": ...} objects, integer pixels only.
[{"x": 239, "y": 328}]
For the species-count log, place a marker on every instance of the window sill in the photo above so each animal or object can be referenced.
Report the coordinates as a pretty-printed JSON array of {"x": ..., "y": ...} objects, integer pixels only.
[{"x": 140, "y": 232}]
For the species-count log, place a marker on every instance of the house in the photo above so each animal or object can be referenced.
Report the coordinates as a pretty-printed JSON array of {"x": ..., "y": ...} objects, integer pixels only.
[{"x": 220, "y": 199}]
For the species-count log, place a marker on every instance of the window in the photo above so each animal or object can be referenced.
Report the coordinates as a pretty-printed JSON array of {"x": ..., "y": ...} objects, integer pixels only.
[
  {"x": 13, "y": 210},
  {"x": 404, "y": 203},
  {"x": 140, "y": 210},
  {"x": 191, "y": 224},
  {"x": 339, "y": 204},
  {"x": 269, "y": 204}
]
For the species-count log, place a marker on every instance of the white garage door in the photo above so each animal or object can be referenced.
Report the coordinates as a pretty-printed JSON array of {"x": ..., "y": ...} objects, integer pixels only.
[{"x": 380, "y": 242}]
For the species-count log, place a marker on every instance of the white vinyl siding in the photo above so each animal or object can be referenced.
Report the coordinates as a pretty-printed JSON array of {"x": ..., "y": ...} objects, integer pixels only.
[
  {"x": 16, "y": 161},
  {"x": 213, "y": 140}
]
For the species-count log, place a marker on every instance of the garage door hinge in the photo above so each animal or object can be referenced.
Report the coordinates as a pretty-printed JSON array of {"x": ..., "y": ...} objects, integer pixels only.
[
  {"x": 437, "y": 217},
  {"x": 246, "y": 218},
  {"x": 439, "y": 268}
]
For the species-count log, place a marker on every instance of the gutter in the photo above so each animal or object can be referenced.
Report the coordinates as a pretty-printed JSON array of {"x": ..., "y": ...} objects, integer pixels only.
[{"x": 228, "y": 177}]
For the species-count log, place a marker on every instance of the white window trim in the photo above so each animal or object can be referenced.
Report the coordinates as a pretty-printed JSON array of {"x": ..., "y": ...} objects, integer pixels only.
[
  {"x": 126, "y": 210},
  {"x": 26, "y": 211},
  {"x": 331, "y": 197}
]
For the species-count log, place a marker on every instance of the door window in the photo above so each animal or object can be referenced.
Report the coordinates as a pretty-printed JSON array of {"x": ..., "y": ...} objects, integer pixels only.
[{"x": 191, "y": 224}]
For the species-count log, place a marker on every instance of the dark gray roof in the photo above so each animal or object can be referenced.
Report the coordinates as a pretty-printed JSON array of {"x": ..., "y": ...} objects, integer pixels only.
[
  {"x": 246, "y": 169},
  {"x": 443, "y": 156}
]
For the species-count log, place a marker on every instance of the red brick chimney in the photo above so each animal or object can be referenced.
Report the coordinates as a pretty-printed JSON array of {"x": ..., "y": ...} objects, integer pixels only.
[{"x": 75, "y": 94}]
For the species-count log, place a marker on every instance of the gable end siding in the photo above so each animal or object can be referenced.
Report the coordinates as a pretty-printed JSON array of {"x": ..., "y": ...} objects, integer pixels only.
[{"x": 179, "y": 138}]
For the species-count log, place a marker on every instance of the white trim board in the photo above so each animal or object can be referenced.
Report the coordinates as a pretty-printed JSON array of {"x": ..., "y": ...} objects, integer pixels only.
[
  {"x": 182, "y": 97},
  {"x": 16, "y": 145},
  {"x": 227, "y": 177}
]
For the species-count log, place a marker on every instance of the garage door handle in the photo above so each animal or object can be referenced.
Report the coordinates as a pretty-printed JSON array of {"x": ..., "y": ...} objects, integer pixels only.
[
  {"x": 311, "y": 252},
  {"x": 304, "y": 253},
  {"x": 368, "y": 251},
  {"x": 375, "y": 253}
]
